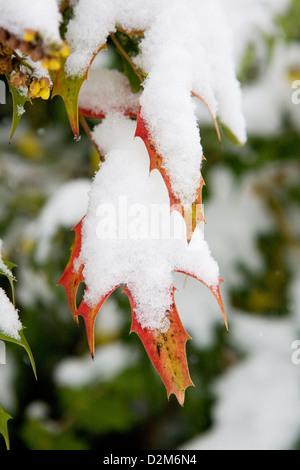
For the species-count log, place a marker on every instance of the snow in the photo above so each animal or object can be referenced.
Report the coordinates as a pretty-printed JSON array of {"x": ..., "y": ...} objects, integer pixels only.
[
  {"x": 179, "y": 57},
  {"x": 106, "y": 91},
  {"x": 92, "y": 23},
  {"x": 40, "y": 16},
  {"x": 117, "y": 242},
  {"x": 173, "y": 74},
  {"x": 10, "y": 324},
  {"x": 20, "y": 110}
]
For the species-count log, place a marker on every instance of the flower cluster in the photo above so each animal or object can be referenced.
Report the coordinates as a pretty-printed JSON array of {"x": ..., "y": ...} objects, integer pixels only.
[
  {"x": 19, "y": 55},
  {"x": 40, "y": 88}
]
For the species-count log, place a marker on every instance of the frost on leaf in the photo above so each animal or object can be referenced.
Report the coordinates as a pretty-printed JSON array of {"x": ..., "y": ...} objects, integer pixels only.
[
  {"x": 151, "y": 156},
  {"x": 121, "y": 241},
  {"x": 11, "y": 328},
  {"x": 107, "y": 91},
  {"x": 193, "y": 213}
]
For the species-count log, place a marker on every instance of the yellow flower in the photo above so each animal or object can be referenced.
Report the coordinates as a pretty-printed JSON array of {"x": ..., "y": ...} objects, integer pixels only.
[
  {"x": 54, "y": 64},
  {"x": 29, "y": 35},
  {"x": 40, "y": 88},
  {"x": 45, "y": 93},
  {"x": 64, "y": 51},
  {"x": 51, "y": 63},
  {"x": 34, "y": 87}
]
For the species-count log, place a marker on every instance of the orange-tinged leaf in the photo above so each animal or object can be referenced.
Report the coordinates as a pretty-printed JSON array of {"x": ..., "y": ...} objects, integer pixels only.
[
  {"x": 72, "y": 275},
  {"x": 166, "y": 351},
  {"x": 90, "y": 113},
  {"x": 68, "y": 88},
  {"x": 215, "y": 291},
  {"x": 89, "y": 314},
  {"x": 211, "y": 114},
  {"x": 217, "y": 294},
  {"x": 193, "y": 214}
]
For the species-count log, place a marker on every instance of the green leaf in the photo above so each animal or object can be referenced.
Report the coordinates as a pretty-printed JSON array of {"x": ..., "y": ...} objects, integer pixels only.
[
  {"x": 230, "y": 135},
  {"x": 19, "y": 99},
  {"x": 21, "y": 342},
  {"x": 127, "y": 46},
  {"x": 130, "y": 73},
  {"x": 68, "y": 88},
  {"x": 4, "y": 417},
  {"x": 11, "y": 279}
]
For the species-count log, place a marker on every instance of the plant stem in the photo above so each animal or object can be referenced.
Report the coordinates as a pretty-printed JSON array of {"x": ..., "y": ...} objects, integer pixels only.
[
  {"x": 89, "y": 134},
  {"x": 23, "y": 62},
  {"x": 124, "y": 53}
]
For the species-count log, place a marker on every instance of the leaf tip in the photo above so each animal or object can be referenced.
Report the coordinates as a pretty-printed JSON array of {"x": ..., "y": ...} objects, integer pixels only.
[{"x": 180, "y": 394}]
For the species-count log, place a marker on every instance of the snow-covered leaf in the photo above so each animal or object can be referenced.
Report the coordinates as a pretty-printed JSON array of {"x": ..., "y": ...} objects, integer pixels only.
[
  {"x": 72, "y": 275},
  {"x": 21, "y": 341},
  {"x": 193, "y": 213},
  {"x": 107, "y": 91},
  {"x": 128, "y": 255},
  {"x": 11, "y": 328}
]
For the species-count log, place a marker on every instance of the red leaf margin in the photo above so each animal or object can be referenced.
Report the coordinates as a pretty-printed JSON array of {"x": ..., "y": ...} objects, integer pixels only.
[
  {"x": 167, "y": 351},
  {"x": 194, "y": 215}
]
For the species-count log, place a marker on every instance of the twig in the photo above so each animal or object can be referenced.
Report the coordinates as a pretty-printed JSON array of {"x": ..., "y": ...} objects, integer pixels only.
[
  {"x": 124, "y": 53},
  {"x": 89, "y": 134}
]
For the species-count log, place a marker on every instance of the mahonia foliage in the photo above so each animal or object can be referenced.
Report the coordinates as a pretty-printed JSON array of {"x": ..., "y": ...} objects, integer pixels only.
[
  {"x": 18, "y": 56},
  {"x": 6, "y": 270}
]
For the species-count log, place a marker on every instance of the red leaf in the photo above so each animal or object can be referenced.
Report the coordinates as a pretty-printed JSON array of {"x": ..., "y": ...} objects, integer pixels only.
[
  {"x": 215, "y": 291},
  {"x": 89, "y": 315},
  {"x": 101, "y": 114},
  {"x": 72, "y": 276},
  {"x": 193, "y": 214},
  {"x": 166, "y": 351}
]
